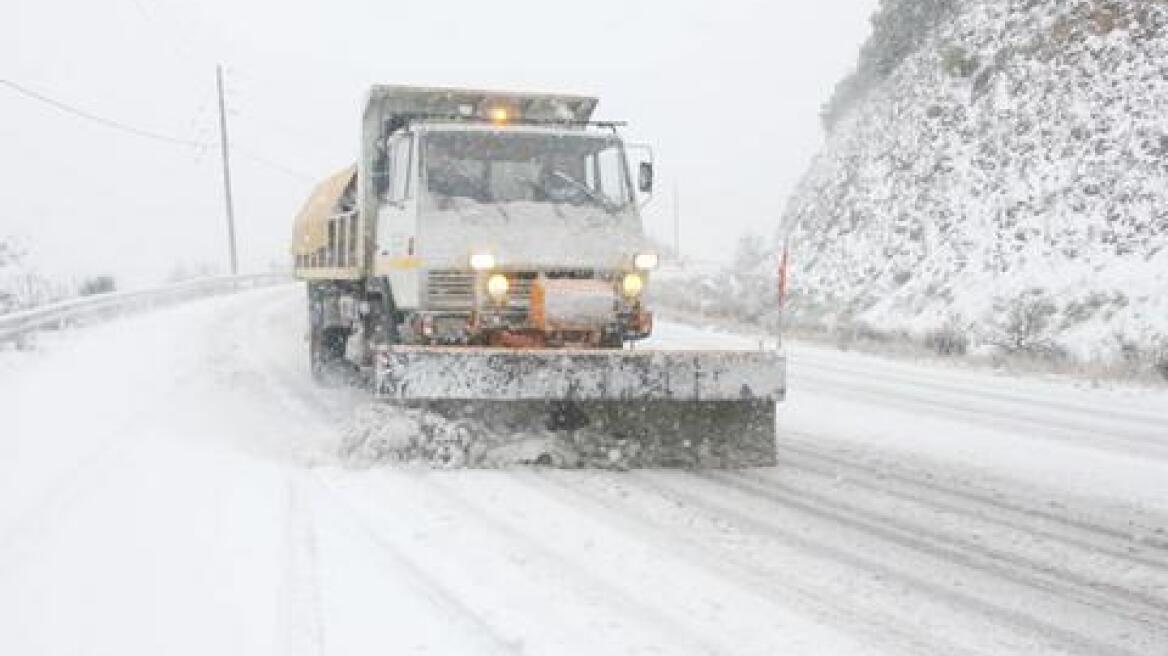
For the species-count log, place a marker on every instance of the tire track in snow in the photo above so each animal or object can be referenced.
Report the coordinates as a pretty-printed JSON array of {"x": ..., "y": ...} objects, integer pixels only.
[
  {"x": 62, "y": 494},
  {"x": 439, "y": 596},
  {"x": 291, "y": 396},
  {"x": 1063, "y": 583},
  {"x": 872, "y": 626},
  {"x": 442, "y": 599},
  {"x": 860, "y": 558},
  {"x": 1149, "y": 423},
  {"x": 304, "y": 602},
  {"x": 313, "y": 417},
  {"x": 488, "y": 515},
  {"x": 1114, "y": 542},
  {"x": 59, "y": 497},
  {"x": 63, "y": 491},
  {"x": 1120, "y": 442}
]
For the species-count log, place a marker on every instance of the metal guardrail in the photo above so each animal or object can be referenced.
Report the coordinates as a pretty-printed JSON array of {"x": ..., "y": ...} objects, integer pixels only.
[{"x": 15, "y": 325}]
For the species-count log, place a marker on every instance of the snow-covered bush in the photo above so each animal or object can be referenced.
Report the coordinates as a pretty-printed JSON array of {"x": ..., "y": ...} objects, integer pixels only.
[
  {"x": 951, "y": 338},
  {"x": 1026, "y": 324},
  {"x": 1160, "y": 360},
  {"x": 959, "y": 63},
  {"x": 8, "y": 258},
  {"x": 21, "y": 286},
  {"x": 97, "y": 285}
]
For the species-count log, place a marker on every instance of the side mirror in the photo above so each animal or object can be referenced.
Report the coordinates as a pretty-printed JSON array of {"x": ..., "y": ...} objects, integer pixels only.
[{"x": 645, "y": 177}]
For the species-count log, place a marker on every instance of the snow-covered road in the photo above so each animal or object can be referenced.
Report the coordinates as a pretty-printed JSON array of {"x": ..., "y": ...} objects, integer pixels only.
[{"x": 167, "y": 486}]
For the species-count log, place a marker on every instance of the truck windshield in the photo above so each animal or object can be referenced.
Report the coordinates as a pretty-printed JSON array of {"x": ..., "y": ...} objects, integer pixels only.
[{"x": 506, "y": 167}]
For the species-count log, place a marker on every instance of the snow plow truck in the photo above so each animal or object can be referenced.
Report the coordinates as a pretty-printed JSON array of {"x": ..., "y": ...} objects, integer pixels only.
[{"x": 484, "y": 260}]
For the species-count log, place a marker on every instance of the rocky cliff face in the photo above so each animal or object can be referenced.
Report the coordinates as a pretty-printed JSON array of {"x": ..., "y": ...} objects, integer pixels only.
[{"x": 996, "y": 169}]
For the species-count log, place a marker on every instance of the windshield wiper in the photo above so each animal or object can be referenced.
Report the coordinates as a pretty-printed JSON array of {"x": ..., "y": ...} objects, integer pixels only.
[
  {"x": 483, "y": 190},
  {"x": 597, "y": 198}
]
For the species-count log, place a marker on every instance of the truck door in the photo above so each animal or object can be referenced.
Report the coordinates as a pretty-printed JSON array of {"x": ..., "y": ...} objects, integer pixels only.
[{"x": 397, "y": 223}]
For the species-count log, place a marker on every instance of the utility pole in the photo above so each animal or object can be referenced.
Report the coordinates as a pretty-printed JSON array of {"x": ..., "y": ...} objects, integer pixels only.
[
  {"x": 224, "y": 148},
  {"x": 676, "y": 224}
]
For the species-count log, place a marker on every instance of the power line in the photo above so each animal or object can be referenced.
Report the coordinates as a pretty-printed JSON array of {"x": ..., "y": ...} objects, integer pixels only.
[
  {"x": 145, "y": 134},
  {"x": 109, "y": 123},
  {"x": 260, "y": 159},
  {"x": 268, "y": 122}
]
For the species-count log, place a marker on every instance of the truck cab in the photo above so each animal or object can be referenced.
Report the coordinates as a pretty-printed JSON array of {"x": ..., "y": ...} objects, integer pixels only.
[
  {"x": 511, "y": 234},
  {"x": 479, "y": 219}
]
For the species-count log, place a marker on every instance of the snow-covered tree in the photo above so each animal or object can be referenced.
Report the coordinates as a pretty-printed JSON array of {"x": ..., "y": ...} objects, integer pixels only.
[{"x": 20, "y": 286}]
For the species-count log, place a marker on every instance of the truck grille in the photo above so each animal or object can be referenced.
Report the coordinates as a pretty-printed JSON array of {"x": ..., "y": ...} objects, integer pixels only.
[
  {"x": 519, "y": 298},
  {"x": 451, "y": 290}
]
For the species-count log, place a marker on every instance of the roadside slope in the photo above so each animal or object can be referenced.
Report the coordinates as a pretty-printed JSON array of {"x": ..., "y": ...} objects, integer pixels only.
[{"x": 1003, "y": 176}]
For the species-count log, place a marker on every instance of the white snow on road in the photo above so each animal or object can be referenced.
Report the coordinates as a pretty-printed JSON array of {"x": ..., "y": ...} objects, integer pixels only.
[
  {"x": 1068, "y": 434},
  {"x": 167, "y": 485}
]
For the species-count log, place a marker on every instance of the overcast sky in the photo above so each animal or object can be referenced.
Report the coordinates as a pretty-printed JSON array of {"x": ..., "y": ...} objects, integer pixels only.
[{"x": 728, "y": 93}]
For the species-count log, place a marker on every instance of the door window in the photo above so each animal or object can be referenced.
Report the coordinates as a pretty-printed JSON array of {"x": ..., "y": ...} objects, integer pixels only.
[{"x": 400, "y": 156}]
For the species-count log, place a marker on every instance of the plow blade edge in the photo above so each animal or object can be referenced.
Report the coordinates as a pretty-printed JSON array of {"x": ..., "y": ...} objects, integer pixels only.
[
  {"x": 429, "y": 373},
  {"x": 641, "y": 408}
]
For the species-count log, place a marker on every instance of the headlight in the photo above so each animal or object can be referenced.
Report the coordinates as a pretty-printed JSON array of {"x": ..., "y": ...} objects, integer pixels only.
[
  {"x": 482, "y": 261},
  {"x": 497, "y": 286},
  {"x": 633, "y": 284},
  {"x": 498, "y": 115},
  {"x": 646, "y": 261}
]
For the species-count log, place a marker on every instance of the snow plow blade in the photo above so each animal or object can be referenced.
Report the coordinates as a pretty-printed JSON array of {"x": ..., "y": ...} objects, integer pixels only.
[{"x": 585, "y": 407}]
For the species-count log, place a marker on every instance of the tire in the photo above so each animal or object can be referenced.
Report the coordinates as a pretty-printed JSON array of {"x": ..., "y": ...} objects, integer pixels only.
[
  {"x": 612, "y": 341},
  {"x": 326, "y": 351}
]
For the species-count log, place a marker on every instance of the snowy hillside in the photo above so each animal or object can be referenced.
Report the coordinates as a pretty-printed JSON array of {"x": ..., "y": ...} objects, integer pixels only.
[{"x": 1003, "y": 179}]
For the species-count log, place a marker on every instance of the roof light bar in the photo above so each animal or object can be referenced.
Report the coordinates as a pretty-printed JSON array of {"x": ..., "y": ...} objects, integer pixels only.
[{"x": 460, "y": 118}]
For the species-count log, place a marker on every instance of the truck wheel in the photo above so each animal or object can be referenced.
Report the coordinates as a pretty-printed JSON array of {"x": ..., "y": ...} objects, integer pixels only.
[
  {"x": 326, "y": 350},
  {"x": 612, "y": 341}
]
